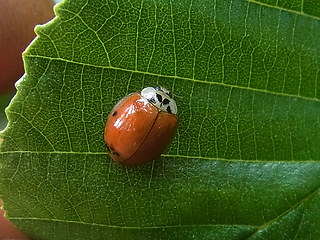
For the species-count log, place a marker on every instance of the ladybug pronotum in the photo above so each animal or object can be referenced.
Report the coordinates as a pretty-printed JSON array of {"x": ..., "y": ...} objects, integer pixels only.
[{"x": 141, "y": 126}]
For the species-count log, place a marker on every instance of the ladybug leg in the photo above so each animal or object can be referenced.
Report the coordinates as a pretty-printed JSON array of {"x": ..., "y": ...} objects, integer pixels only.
[{"x": 112, "y": 151}]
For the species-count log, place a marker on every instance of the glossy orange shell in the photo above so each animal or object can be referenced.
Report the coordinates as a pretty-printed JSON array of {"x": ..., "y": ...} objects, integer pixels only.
[{"x": 137, "y": 132}]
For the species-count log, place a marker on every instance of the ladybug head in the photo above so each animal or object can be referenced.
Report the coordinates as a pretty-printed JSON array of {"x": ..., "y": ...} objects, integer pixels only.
[{"x": 161, "y": 98}]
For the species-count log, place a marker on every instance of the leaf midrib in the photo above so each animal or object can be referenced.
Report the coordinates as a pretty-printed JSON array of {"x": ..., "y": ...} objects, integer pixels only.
[
  {"x": 169, "y": 156},
  {"x": 313, "y": 99}
]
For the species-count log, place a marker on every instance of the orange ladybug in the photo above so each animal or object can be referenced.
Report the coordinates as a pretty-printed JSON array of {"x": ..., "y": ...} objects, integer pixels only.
[{"x": 141, "y": 126}]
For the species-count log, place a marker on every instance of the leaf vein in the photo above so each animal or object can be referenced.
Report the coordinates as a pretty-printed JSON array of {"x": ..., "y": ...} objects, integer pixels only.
[
  {"x": 128, "y": 227},
  {"x": 283, "y": 9}
]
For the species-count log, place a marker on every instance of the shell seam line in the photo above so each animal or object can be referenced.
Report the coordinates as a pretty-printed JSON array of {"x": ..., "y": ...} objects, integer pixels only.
[{"x": 139, "y": 147}]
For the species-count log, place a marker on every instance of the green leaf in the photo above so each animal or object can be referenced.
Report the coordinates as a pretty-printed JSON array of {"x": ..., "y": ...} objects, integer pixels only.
[{"x": 245, "y": 161}]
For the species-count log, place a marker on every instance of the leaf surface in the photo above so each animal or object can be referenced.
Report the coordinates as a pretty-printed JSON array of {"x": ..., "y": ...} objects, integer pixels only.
[{"x": 245, "y": 161}]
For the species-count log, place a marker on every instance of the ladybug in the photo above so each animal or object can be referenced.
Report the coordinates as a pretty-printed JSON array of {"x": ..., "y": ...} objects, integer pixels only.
[{"x": 141, "y": 126}]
